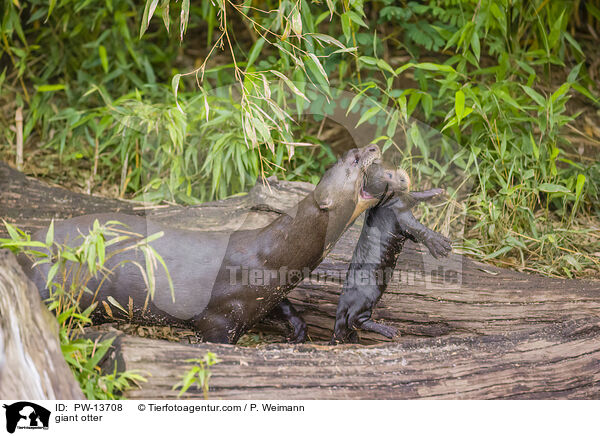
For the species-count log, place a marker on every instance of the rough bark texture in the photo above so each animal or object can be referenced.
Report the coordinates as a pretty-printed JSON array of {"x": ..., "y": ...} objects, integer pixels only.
[
  {"x": 558, "y": 361},
  {"x": 469, "y": 330},
  {"x": 31, "y": 364}
]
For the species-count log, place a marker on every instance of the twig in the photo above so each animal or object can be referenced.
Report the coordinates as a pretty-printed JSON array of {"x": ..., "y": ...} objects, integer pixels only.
[{"x": 19, "y": 125}]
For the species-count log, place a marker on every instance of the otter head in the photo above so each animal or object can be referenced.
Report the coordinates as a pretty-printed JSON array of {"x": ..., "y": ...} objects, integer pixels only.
[
  {"x": 381, "y": 180},
  {"x": 341, "y": 188}
]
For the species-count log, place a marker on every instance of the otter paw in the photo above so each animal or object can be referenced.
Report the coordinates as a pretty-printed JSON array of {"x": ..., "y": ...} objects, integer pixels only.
[
  {"x": 438, "y": 245},
  {"x": 299, "y": 335}
]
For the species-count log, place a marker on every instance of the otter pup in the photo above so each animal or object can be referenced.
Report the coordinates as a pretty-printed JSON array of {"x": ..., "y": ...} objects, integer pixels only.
[
  {"x": 386, "y": 228},
  {"x": 210, "y": 270}
]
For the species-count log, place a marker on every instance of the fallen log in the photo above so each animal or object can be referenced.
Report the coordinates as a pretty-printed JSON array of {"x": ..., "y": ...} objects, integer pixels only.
[
  {"x": 31, "y": 364},
  {"x": 556, "y": 361}
]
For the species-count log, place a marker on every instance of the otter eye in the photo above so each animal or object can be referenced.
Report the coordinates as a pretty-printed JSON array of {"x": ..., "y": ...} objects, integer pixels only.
[
  {"x": 389, "y": 175},
  {"x": 356, "y": 159}
]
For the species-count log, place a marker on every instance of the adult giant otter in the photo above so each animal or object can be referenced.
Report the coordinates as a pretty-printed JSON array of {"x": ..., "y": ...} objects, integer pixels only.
[
  {"x": 225, "y": 283},
  {"x": 387, "y": 226}
]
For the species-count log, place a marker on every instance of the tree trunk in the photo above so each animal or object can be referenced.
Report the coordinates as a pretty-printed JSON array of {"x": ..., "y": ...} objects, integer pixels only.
[
  {"x": 558, "y": 361},
  {"x": 469, "y": 330},
  {"x": 31, "y": 363}
]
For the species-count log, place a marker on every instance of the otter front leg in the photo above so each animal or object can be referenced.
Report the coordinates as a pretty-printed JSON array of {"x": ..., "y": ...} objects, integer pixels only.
[
  {"x": 285, "y": 311},
  {"x": 426, "y": 195},
  {"x": 438, "y": 244},
  {"x": 216, "y": 327},
  {"x": 342, "y": 330}
]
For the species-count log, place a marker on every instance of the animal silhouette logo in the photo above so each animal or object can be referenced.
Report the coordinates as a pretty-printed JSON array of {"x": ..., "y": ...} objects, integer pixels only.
[{"x": 24, "y": 414}]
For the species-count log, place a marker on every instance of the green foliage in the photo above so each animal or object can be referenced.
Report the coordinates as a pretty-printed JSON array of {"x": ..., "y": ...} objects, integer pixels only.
[
  {"x": 508, "y": 134},
  {"x": 171, "y": 100},
  {"x": 72, "y": 268},
  {"x": 199, "y": 373}
]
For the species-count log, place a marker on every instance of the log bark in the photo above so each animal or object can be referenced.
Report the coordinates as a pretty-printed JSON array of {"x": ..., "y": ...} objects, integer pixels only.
[
  {"x": 556, "y": 361},
  {"x": 31, "y": 363},
  {"x": 469, "y": 330}
]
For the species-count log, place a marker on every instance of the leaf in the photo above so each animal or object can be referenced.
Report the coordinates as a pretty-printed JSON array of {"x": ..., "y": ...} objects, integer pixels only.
[
  {"x": 290, "y": 84},
  {"x": 429, "y": 66},
  {"x": 562, "y": 90},
  {"x": 49, "y": 88},
  {"x": 51, "y": 274},
  {"x": 254, "y": 52},
  {"x": 534, "y": 147},
  {"x": 51, "y": 8},
  {"x": 175, "y": 87},
  {"x": 115, "y": 303},
  {"x": 572, "y": 77},
  {"x": 165, "y": 14},
  {"x": 475, "y": 45},
  {"x": 108, "y": 309},
  {"x": 368, "y": 115},
  {"x": 319, "y": 66},
  {"x": 346, "y": 26},
  {"x": 536, "y": 96},
  {"x": 328, "y": 39},
  {"x": 579, "y": 186},
  {"x": 185, "y": 15},
  {"x": 551, "y": 187},
  {"x": 368, "y": 60},
  {"x": 148, "y": 12},
  {"x": 393, "y": 124},
  {"x": 507, "y": 98},
  {"x": 50, "y": 233},
  {"x": 356, "y": 98},
  {"x": 555, "y": 32},
  {"x": 331, "y": 8},
  {"x": 12, "y": 231},
  {"x": 356, "y": 18},
  {"x": 297, "y": 23},
  {"x": 499, "y": 252},
  {"x": 577, "y": 87},
  {"x": 103, "y": 57},
  {"x": 459, "y": 105},
  {"x": 385, "y": 66}
]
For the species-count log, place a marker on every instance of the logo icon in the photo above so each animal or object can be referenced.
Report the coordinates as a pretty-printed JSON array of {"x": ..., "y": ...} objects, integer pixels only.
[{"x": 26, "y": 415}]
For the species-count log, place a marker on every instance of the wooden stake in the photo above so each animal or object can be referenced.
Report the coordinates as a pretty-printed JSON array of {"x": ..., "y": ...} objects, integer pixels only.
[{"x": 19, "y": 125}]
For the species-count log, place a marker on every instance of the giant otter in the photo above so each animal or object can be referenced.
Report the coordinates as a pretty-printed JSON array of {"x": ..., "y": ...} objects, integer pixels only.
[
  {"x": 386, "y": 228},
  {"x": 225, "y": 283}
]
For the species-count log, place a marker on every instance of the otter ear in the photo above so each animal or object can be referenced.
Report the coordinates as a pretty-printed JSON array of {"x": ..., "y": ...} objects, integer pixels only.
[{"x": 324, "y": 198}]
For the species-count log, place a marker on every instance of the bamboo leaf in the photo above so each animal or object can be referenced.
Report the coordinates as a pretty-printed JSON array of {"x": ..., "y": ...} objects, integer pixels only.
[
  {"x": 368, "y": 115},
  {"x": 103, "y": 57},
  {"x": 50, "y": 88},
  {"x": 148, "y": 12},
  {"x": 115, "y": 303},
  {"x": 297, "y": 23},
  {"x": 459, "y": 105},
  {"x": 553, "y": 188},
  {"x": 50, "y": 234},
  {"x": 183, "y": 20}
]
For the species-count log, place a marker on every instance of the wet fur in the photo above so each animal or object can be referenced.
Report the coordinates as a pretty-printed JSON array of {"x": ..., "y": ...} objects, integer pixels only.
[
  {"x": 384, "y": 232},
  {"x": 216, "y": 309}
]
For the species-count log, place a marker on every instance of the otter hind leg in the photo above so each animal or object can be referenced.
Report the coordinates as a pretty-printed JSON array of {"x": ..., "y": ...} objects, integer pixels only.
[{"x": 285, "y": 311}]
